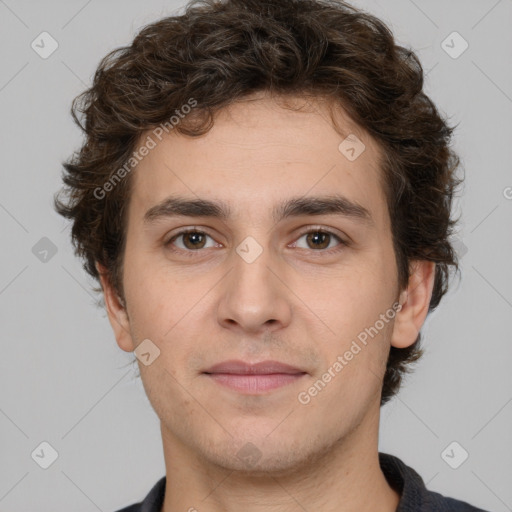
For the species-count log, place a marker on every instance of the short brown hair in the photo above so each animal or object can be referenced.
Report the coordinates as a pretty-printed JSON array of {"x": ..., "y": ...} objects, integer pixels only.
[{"x": 217, "y": 52}]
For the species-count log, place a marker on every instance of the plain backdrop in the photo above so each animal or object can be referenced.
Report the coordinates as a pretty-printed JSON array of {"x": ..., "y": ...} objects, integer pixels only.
[{"x": 64, "y": 381}]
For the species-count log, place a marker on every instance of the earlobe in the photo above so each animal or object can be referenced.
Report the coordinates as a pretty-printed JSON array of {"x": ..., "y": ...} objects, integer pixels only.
[
  {"x": 116, "y": 311},
  {"x": 415, "y": 301}
]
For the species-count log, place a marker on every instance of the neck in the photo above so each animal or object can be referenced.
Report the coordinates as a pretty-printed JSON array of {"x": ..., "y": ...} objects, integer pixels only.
[{"x": 346, "y": 477}]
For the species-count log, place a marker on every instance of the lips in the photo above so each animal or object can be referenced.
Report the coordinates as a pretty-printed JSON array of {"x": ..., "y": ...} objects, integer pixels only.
[
  {"x": 237, "y": 367},
  {"x": 253, "y": 379}
]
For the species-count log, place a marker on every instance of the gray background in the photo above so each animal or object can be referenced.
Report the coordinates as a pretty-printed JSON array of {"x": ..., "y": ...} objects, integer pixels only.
[{"x": 63, "y": 379}]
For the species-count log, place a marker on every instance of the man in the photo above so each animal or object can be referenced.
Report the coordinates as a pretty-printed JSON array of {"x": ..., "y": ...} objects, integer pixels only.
[{"x": 264, "y": 194}]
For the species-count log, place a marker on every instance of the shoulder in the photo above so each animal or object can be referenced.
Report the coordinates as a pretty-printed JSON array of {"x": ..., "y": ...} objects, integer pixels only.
[
  {"x": 414, "y": 496},
  {"x": 152, "y": 502},
  {"x": 444, "y": 504}
]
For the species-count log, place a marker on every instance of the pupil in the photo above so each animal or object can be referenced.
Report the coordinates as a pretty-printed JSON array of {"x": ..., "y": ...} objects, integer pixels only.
[{"x": 195, "y": 237}]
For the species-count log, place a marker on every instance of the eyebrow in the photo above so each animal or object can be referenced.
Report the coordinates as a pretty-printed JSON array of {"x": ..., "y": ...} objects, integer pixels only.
[{"x": 294, "y": 207}]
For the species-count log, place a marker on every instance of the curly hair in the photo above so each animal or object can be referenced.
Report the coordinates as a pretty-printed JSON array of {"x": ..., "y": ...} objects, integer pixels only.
[{"x": 218, "y": 52}]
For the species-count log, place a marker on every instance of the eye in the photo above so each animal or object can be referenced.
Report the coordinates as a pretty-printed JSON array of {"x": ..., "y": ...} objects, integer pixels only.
[
  {"x": 320, "y": 239},
  {"x": 192, "y": 240}
]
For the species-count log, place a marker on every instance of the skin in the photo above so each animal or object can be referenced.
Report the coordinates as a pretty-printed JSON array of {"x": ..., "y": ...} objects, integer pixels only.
[{"x": 296, "y": 303}]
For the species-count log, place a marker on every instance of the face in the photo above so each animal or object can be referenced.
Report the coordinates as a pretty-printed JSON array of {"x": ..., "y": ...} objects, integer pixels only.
[{"x": 286, "y": 275}]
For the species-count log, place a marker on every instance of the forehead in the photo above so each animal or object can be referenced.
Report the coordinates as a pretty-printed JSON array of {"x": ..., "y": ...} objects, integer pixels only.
[{"x": 259, "y": 153}]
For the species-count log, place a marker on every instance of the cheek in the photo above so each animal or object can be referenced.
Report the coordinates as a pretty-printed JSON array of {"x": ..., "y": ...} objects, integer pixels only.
[
  {"x": 352, "y": 298},
  {"x": 152, "y": 294},
  {"x": 165, "y": 308},
  {"x": 355, "y": 367},
  {"x": 359, "y": 308}
]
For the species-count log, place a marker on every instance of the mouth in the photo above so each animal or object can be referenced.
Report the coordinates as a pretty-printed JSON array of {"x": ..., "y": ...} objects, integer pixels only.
[{"x": 254, "y": 378}]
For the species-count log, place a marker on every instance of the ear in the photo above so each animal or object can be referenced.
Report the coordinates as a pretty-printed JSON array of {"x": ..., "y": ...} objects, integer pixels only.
[
  {"x": 415, "y": 301},
  {"x": 117, "y": 314}
]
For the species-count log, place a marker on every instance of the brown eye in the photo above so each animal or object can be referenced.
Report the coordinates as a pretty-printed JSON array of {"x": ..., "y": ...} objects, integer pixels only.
[
  {"x": 190, "y": 240},
  {"x": 194, "y": 240},
  {"x": 320, "y": 240}
]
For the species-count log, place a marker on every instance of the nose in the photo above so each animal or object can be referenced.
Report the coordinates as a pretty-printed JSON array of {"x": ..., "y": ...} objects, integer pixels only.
[{"x": 254, "y": 296}]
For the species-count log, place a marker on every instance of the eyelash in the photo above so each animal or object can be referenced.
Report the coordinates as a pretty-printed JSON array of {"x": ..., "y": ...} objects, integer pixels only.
[{"x": 191, "y": 253}]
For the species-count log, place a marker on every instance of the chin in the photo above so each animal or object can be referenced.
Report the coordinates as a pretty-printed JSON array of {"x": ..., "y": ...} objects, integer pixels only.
[{"x": 264, "y": 456}]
